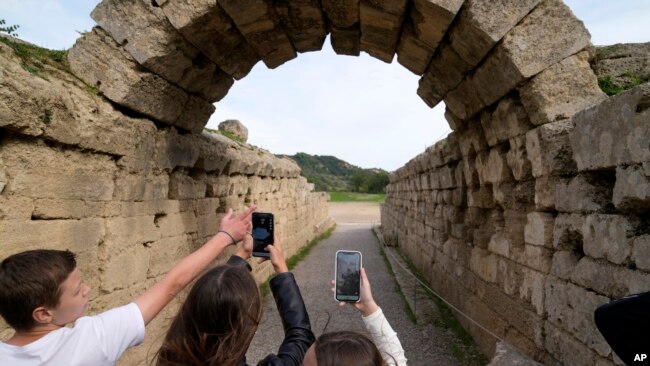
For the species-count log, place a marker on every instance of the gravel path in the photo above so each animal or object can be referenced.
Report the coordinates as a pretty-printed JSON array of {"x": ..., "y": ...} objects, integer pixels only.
[{"x": 425, "y": 345}]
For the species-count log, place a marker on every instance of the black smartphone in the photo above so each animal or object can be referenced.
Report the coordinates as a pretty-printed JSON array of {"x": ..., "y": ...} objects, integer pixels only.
[
  {"x": 347, "y": 274},
  {"x": 262, "y": 233}
]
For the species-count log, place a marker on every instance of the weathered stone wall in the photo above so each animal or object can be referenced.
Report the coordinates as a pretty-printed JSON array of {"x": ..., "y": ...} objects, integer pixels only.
[
  {"x": 527, "y": 229},
  {"x": 129, "y": 197}
]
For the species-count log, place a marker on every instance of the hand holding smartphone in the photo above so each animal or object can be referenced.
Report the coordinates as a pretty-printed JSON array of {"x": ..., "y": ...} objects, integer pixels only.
[
  {"x": 347, "y": 275},
  {"x": 263, "y": 231}
]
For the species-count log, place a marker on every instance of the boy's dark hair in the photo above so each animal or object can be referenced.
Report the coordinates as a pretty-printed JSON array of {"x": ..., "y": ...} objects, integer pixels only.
[{"x": 31, "y": 279}]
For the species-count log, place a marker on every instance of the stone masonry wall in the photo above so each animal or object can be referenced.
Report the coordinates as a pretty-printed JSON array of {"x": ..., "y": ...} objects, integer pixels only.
[
  {"x": 129, "y": 197},
  {"x": 527, "y": 229}
]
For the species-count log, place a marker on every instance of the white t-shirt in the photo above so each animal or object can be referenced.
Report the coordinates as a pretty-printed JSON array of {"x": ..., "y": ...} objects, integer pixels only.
[
  {"x": 94, "y": 340},
  {"x": 385, "y": 338}
]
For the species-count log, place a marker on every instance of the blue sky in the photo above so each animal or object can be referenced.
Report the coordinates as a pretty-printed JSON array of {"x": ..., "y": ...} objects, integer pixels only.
[{"x": 359, "y": 109}]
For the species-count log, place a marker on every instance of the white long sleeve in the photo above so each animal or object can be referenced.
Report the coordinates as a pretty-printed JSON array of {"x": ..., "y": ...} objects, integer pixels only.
[{"x": 385, "y": 338}]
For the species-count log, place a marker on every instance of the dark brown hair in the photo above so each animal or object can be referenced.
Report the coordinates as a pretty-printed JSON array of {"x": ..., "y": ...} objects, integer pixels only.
[
  {"x": 347, "y": 348},
  {"x": 31, "y": 279},
  {"x": 217, "y": 321}
]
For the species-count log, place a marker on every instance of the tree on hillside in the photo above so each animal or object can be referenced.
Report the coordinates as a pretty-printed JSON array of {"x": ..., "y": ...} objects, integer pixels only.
[
  {"x": 10, "y": 30},
  {"x": 377, "y": 182},
  {"x": 358, "y": 180}
]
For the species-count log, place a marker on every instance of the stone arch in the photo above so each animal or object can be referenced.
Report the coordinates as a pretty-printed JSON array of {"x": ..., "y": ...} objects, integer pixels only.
[{"x": 479, "y": 206}]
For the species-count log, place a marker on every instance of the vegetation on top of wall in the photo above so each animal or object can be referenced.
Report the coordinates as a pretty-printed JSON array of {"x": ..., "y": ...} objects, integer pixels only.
[
  {"x": 610, "y": 87},
  {"x": 225, "y": 133},
  {"x": 34, "y": 58}
]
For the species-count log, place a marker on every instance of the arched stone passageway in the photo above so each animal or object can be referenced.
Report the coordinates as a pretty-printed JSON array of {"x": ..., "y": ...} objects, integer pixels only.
[{"x": 512, "y": 216}]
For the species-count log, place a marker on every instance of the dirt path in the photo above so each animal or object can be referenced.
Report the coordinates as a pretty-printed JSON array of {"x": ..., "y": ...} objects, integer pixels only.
[{"x": 355, "y": 212}]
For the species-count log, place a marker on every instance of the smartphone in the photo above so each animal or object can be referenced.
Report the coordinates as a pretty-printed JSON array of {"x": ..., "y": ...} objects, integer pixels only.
[
  {"x": 262, "y": 233},
  {"x": 347, "y": 274}
]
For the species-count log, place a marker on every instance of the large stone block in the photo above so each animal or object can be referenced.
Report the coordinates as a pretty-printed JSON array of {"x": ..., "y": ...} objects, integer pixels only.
[
  {"x": 480, "y": 25},
  {"x": 632, "y": 188},
  {"x": 608, "y": 279},
  {"x": 304, "y": 22},
  {"x": 565, "y": 348},
  {"x": 561, "y": 90},
  {"x": 584, "y": 193},
  {"x": 342, "y": 13},
  {"x": 517, "y": 159},
  {"x": 79, "y": 236},
  {"x": 564, "y": 263},
  {"x": 483, "y": 264},
  {"x": 124, "y": 269},
  {"x": 471, "y": 140},
  {"x": 549, "y": 149},
  {"x": 545, "y": 193},
  {"x": 261, "y": 26},
  {"x": 173, "y": 150},
  {"x": 13, "y": 207},
  {"x": 612, "y": 133},
  {"x": 608, "y": 237},
  {"x": 492, "y": 167},
  {"x": 207, "y": 26},
  {"x": 412, "y": 53},
  {"x": 176, "y": 224},
  {"x": 381, "y": 24},
  {"x": 572, "y": 307},
  {"x": 153, "y": 42},
  {"x": 539, "y": 229},
  {"x": 138, "y": 229},
  {"x": 47, "y": 209},
  {"x": 567, "y": 232},
  {"x": 183, "y": 186},
  {"x": 514, "y": 60},
  {"x": 100, "y": 62},
  {"x": 38, "y": 171},
  {"x": 346, "y": 41},
  {"x": 432, "y": 18},
  {"x": 641, "y": 252},
  {"x": 444, "y": 73},
  {"x": 508, "y": 120},
  {"x": 131, "y": 187},
  {"x": 532, "y": 289}
]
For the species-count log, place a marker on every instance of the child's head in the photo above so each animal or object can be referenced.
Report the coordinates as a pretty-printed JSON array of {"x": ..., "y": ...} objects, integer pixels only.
[
  {"x": 343, "y": 348},
  {"x": 217, "y": 321},
  {"x": 41, "y": 287}
]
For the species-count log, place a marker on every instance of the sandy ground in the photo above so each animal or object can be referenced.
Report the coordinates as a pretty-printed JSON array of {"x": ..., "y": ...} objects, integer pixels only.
[{"x": 355, "y": 212}]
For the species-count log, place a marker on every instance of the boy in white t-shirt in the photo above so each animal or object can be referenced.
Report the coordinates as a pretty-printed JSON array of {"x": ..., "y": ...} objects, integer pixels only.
[{"x": 42, "y": 290}]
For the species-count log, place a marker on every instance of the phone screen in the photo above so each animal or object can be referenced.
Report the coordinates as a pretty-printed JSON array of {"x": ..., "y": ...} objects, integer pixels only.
[
  {"x": 262, "y": 233},
  {"x": 348, "y": 276}
]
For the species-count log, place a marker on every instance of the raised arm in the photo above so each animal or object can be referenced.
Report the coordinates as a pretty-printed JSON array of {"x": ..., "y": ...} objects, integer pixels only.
[{"x": 231, "y": 230}]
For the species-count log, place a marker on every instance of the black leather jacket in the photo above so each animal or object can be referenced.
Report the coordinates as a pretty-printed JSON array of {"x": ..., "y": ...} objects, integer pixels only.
[{"x": 298, "y": 336}]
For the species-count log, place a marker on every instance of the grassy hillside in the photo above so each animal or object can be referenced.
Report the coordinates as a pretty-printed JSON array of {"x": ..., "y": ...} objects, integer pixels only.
[{"x": 331, "y": 174}]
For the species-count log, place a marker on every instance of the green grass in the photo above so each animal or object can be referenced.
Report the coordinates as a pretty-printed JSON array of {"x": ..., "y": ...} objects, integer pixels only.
[
  {"x": 35, "y": 58},
  {"x": 229, "y": 135},
  {"x": 357, "y": 197},
  {"x": 296, "y": 258}
]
